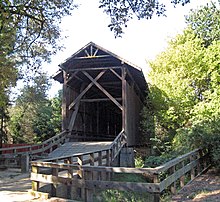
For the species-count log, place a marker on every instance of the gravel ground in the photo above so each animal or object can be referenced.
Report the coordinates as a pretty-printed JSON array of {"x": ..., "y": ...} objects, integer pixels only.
[
  {"x": 205, "y": 188},
  {"x": 14, "y": 186}
]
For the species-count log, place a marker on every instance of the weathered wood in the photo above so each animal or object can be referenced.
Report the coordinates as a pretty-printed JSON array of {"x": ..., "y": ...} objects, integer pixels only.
[
  {"x": 115, "y": 73},
  {"x": 96, "y": 177},
  {"x": 103, "y": 90},
  {"x": 64, "y": 102},
  {"x": 35, "y": 183},
  {"x": 99, "y": 100},
  {"x": 95, "y": 68},
  {"x": 73, "y": 117},
  {"x": 177, "y": 174},
  {"x": 86, "y": 89},
  {"x": 124, "y": 97},
  {"x": 173, "y": 185},
  {"x": 175, "y": 161}
]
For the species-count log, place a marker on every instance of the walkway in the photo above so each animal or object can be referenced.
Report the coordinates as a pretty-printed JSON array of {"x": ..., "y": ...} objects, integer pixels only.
[
  {"x": 205, "y": 188},
  {"x": 70, "y": 148}
]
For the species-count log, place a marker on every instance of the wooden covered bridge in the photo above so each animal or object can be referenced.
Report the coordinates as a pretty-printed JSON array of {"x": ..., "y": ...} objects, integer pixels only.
[
  {"x": 102, "y": 98},
  {"x": 102, "y": 95}
]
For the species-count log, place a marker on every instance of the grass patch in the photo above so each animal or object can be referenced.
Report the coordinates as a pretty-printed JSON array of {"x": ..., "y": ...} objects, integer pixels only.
[{"x": 124, "y": 196}]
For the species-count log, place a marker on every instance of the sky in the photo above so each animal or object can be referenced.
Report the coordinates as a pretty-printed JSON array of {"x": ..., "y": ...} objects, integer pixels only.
[{"x": 141, "y": 42}]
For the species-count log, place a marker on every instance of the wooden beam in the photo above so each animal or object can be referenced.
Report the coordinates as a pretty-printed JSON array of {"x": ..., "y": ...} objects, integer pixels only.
[
  {"x": 116, "y": 74},
  {"x": 85, "y": 90},
  {"x": 103, "y": 90},
  {"x": 64, "y": 102},
  {"x": 124, "y": 97},
  {"x": 96, "y": 56},
  {"x": 73, "y": 117},
  {"x": 94, "y": 69},
  {"x": 74, "y": 75},
  {"x": 98, "y": 100}
]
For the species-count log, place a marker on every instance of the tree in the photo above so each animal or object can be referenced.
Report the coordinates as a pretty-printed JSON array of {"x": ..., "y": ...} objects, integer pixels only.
[
  {"x": 206, "y": 22},
  {"x": 122, "y": 11},
  {"x": 29, "y": 30},
  {"x": 185, "y": 93},
  {"x": 27, "y": 106},
  {"x": 47, "y": 121},
  {"x": 29, "y": 35}
]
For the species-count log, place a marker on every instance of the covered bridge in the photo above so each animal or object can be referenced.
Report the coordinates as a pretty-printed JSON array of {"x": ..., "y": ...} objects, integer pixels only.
[{"x": 103, "y": 95}]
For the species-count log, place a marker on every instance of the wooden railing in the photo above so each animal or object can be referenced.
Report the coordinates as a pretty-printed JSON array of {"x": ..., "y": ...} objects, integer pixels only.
[
  {"x": 33, "y": 151},
  {"x": 75, "y": 175}
]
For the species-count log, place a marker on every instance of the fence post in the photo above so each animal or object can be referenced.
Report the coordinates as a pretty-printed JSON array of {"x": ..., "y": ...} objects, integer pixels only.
[
  {"x": 156, "y": 195},
  {"x": 35, "y": 184},
  {"x": 192, "y": 173},
  {"x": 25, "y": 160},
  {"x": 182, "y": 178},
  {"x": 88, "y": 192},
  {"x": 81, "y": 176},
  {"x": 173, "y": 186},
  {"x": 54, "y": 185}
]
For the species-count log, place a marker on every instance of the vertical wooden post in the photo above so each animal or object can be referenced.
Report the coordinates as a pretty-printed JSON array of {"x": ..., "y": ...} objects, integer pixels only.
[
  {"x": 70, "y": 176},
  {"x": 64, "y": 102},
  {"x": 200, "y": 164},
  {"x": 88, "y": 192},
  {"x": 182, "y": 178},
  {"x": 81, "y": 176},
  {"x": 25, "y": 160},
  {"x": 54, "y": 185},
  {"x": 124, "y": 97},
  {"x": 35, "y": 184},
  {"x": 156, "y": 195},
  {"x": 108, "y": 157},
  {"x": 192, "y": 173},
  {"x": 173, "y": 186}
]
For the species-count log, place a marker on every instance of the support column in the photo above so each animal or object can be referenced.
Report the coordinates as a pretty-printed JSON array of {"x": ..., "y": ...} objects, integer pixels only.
[
  {"x": 124, "y": 97},
  {"x": 64, "y": 103}
]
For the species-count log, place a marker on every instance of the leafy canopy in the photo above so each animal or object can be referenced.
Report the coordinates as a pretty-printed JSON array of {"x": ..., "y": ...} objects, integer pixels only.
[
  {"x": 185, "y": 92},
  {"x": 122, "y": 11}
]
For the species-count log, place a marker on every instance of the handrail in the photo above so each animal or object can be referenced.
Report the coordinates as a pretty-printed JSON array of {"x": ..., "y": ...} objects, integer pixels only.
[
  {"x": 191, "y": 164},
  {"x": 42, "y": 147},
  {"x": 115, "y": 148}
]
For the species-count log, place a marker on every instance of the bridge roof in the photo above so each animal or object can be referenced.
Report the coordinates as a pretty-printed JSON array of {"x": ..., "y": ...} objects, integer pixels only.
[{"x": 93, "y": 56}]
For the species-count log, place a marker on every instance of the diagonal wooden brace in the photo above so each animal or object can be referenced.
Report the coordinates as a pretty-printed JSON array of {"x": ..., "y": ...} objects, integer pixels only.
[
  {"x": 86, "y": 89},
  {"x": 103, "y": 90}
]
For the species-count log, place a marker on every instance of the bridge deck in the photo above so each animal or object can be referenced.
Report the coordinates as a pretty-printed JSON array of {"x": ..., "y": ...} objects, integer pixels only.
[{"x": 71, "y": 148}]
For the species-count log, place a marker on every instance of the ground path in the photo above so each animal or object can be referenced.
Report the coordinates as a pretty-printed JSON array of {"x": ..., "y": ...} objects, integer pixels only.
[
  {"x": 205, "y": 188},
  {"x": 14, "y": 187}
]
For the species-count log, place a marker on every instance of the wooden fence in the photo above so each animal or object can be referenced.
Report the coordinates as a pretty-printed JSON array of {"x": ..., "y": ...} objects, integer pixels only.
[
  {"x": 81, "y": 180},
  {"x": 11, "y": 156}
]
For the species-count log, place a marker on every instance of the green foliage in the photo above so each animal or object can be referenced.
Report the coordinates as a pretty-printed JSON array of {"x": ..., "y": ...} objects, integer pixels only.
[
  {"x": 206, "y": 22},
  {"x": 154, "y": 161},
  {"x": 138, "y": 161},
  {"x": 125, "y": 196},
  {"x": 29, "y": 35},
  {"x": 185, "y": 91},
  {"x": 122, "y": 11},
  {"x": 29, "y": 29},
  {"x": 35, "y": 118},
  {"x": 116, "y": 195}
]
